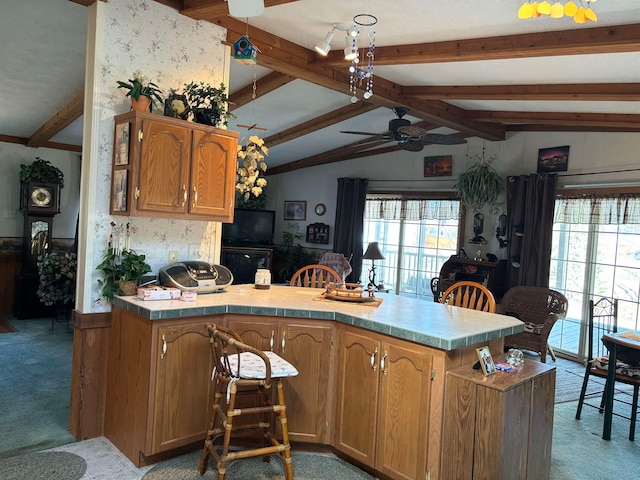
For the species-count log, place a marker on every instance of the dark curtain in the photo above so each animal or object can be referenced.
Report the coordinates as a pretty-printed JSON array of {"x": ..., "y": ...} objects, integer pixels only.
[
  {"x": 347, "y": 239},
  {"x": 530, "y": 205}
]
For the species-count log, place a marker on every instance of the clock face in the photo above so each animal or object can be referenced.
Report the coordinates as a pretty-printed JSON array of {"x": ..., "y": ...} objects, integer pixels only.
[
  {"x": 320, "y": 209},
  {"x": 41, "y": 197}
]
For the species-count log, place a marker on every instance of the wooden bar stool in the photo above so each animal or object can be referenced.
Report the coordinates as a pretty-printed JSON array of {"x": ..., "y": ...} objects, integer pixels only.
[{"x": 243, "y": 370}]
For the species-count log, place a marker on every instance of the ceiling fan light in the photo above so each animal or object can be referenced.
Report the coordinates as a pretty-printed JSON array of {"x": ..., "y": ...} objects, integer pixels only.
[
  {"x": 246, "y": 8},
  {"x": 323, "y": 47}
]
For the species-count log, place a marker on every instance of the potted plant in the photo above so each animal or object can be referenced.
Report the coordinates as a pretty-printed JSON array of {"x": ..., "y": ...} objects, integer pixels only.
[
  {"x": 122, "y": 271},
  {"x": 480, "y": 185},
  {"x": 294, "y": 257},
  {"x": 208, "y": 103},
  {"x": 57, "y": 278},
  {"x": 41, "y": 171},
  {"x": 250, "y": 181},
  {"x": 140, "y": 86}
]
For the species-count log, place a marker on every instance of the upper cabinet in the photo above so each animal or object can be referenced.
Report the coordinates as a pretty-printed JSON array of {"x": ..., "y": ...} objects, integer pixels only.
[{"x": 165, "y": 167}]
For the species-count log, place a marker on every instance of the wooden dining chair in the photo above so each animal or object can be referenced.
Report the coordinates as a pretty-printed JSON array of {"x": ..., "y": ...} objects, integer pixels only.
[
  {"x": 242, "y": 369},
  {"x": 315, "y": 276},
  {"x": 469, "y": 295},
  {"x": 603, "y": 319}
]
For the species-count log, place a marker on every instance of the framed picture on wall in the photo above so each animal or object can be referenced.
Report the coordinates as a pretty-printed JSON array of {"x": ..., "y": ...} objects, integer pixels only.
[
  {"x": 554, "y": 159},
  {"x": 438, "y": 166},
  {"x": 121, "y": 145},
  {"x": 295, "y": 210}
]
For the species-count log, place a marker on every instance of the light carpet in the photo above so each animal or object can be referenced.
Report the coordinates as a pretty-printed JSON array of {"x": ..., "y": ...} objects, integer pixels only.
[
  {"x": 43, "y": 466},
  {"x": 306, "y": 466}
]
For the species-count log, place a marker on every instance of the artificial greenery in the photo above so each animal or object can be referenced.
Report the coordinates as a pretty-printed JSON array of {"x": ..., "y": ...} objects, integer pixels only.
[
  {"x": 204, "y": 98},
  {"x": 250, "y": 181},
  {"x": 480, "y": 185},
  {"x": 57, "y": 278},
  {"x": 41, "y": 171},
  {"x": 141, "y": 85},
  {"x": 120, "y": 267}
]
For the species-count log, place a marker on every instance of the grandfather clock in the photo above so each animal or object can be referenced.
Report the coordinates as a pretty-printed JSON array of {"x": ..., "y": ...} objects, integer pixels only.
[{"x": 39, "y": 203}]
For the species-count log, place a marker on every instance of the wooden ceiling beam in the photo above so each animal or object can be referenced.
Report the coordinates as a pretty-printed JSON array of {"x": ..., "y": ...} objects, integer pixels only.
[
  {"x": 521, "y": 127},
  {"x": 288, "y": 58},
  {"x": 264, "y": 85},
  {"x": 608, "y": 120},
  {"x": 61, "y": 120},
  {"x": 326, "y": 120},
  {"x": 217, "y": 8},
  {"x": 580, "y": 41},
  {"x": 608, "y": 92}
]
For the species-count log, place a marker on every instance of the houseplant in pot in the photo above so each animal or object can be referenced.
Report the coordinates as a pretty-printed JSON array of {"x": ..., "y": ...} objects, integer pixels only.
[
  {"x": 208, "y": 103},
  {"x": 57, "y": 279},
  {"x": 41, "y": 171},
  {"x": 122, "y": 271},
  {"x": 480, "y": 185},
  {"x": 143, "y": 92}
]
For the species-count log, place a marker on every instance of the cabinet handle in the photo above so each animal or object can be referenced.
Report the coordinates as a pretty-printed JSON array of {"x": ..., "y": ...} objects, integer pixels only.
[
  {"x": 164, "y": 346},
  {"x": 283, "y": 342},
  {"x": 271, "y": 340},
  {"x": 195, "y": 197},
  {"x": 140, "y": 135},
  {"x": 382, "y": 363},
  {"x": 137, "y": 194},
  {"x": 373, "y": 359},
  {"x": 184, "y": 194}
]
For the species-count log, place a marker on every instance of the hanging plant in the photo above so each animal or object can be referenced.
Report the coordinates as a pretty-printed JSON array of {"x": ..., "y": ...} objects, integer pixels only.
[{"x": 480, "y": 185}]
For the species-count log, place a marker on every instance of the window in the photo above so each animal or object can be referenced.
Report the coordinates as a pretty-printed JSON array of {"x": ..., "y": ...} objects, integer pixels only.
[
  {"x": 595, "y": 253},
  {"x": 415, "y": 235}
]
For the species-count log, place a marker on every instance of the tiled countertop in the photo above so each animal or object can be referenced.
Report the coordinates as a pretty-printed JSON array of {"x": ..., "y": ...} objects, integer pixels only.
[{"x": 421, "y": 321}]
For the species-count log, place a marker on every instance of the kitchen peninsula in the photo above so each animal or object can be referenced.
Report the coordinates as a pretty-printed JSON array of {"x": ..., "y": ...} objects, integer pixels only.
[{"x": 371, "y": 383}]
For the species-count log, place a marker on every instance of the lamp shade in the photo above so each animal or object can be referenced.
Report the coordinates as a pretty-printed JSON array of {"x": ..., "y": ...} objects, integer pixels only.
[
  {"x": 246, "y": 8},
  {"x": 324, "y": 46},
  {"x": 373, "y": 252}
]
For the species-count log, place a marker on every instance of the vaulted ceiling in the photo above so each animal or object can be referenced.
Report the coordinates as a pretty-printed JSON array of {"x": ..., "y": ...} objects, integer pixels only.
[{"x": 467, "y": 68}]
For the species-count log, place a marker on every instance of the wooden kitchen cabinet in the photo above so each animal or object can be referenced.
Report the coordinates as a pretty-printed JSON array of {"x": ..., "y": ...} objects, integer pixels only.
[
  {"x": 307, "y": 345},
  {"x": 173, "y": 168},
  {"x": 383, "y": 398},
  {"x": 159, "y": 388},
  {"x": 499, "y": 426}
]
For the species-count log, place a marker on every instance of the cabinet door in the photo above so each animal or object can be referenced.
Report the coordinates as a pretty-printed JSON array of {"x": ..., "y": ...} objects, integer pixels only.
[
  {"x": 357, "y": 395},
  {"x": 213, "y": 175},
  {"x": 403, "y": 418},
  {"x": 164, "y": 168},
  {"x": 308, "y": 348},
  {"x": 183, "y": 389},
  {"x": 258, "y": 334}
]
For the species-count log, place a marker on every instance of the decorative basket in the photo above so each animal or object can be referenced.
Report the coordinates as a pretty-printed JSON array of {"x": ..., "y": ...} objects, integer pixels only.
[{"x": 128, "y": 287}]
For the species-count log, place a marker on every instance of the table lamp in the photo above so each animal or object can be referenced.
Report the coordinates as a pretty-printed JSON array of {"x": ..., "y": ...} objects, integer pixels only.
[{"x": 373, "y": 253}]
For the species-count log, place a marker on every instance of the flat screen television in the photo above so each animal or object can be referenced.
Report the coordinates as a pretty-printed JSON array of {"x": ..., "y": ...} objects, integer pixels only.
[{"x": 249, "y": 227}]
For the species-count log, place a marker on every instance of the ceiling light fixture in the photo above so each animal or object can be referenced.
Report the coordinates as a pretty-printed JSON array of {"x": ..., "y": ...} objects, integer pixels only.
[
  {"x": 245, "y": 8},
  {"x": 361, "y": 75},
  {"x": 323, "y": 47},
  {"x": 580, "y": 14}
]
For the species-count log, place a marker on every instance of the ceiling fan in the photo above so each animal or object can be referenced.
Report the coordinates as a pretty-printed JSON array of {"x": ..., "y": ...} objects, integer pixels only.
[{"x": 410, "y": 137}]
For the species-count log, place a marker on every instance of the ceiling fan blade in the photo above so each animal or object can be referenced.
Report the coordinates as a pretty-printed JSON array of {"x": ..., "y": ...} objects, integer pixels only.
[
  {"x": 359, "y": 133},
  {"x": 411, "y": 145},
  {"x": 441, "y": 139},
  {"x": 412, "y": 131}
]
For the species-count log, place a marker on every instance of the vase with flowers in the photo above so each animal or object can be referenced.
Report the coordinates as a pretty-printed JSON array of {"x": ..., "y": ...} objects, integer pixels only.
[
  {"x": 250, "y": 181},
  {"x": 143, "y": 92}
]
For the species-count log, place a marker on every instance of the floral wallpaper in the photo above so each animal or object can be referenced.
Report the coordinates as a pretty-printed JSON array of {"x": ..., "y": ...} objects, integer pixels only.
[{"x": 170, "y": 49}]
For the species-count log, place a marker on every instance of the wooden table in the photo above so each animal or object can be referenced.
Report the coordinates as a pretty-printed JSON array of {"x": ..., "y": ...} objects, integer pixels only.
[{"x": 626, "y": 346}]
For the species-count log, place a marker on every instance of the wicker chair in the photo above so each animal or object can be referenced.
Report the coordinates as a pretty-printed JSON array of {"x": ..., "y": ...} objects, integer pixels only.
[
  {"x": 468, "y": 294},
  {"x": 315, "y": 276},
  {"x": 539, "y": 308}
]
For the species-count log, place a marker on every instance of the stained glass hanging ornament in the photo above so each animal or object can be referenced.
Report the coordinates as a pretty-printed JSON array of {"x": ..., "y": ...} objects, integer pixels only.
[{"x": 362, "y": 75}]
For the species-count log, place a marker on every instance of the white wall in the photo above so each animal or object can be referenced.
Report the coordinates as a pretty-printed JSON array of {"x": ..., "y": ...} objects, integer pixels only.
[
  {"x": 591, "y": 156},
  {"x": 12, "y": 155}
]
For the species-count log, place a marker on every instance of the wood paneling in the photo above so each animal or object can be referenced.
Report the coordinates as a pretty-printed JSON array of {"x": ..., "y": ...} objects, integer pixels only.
[{"x": 10, "y": 267}]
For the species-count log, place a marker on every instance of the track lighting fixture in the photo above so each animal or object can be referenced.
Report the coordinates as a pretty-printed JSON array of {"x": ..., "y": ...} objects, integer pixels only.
[{"x": 323, "y": 47}]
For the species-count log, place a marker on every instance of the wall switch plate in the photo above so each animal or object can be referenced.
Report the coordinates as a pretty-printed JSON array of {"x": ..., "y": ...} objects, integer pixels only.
[{"x": 173, "y": 256}]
